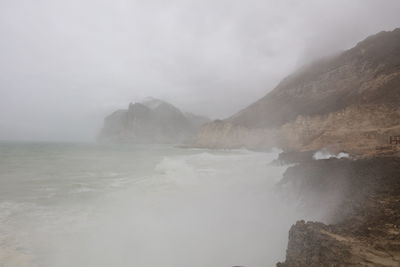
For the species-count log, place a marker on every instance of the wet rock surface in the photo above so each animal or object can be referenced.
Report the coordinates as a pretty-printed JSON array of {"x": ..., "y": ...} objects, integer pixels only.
[{"x": 362, "y": 203}]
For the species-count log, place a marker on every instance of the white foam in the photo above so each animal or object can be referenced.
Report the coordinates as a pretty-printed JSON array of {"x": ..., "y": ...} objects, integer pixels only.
[{"x": 325, "y": 154}]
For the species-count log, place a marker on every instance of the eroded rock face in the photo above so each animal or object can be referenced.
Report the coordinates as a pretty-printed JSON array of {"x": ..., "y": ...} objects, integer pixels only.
[
  {"x": 362, "y": 218},
  {"x": 315, "y": 244},
  {"x": 312, "y": 244},
  {"x": 350, "y": 101},
  {"x": 356, "y": 129},
  {"x": 220, "y": 134}
]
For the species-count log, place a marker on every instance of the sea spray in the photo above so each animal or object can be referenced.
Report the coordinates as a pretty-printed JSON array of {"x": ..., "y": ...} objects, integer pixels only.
[{"x": 152, "y": 206}]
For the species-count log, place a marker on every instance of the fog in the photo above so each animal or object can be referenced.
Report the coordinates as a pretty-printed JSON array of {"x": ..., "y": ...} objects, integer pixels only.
[
  {"x": 185, "y": 216},
  {"x": 64, "y": 65}
]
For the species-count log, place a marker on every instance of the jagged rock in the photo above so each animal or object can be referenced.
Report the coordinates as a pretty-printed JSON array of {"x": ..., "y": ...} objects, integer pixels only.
[
  {"x": 359, "y": 200},
  {"x": 311, "y": 244},
  {"x": 314, "y": 244}
]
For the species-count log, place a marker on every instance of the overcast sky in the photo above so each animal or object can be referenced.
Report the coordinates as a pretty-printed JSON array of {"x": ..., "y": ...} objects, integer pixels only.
[{"x": 65, "y": 64}]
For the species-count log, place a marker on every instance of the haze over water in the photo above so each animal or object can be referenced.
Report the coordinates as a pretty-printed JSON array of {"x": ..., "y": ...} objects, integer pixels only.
[{"x": 148, "y": 206}]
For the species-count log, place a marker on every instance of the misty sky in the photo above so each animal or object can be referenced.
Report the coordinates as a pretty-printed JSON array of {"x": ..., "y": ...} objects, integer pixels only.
[{"x": 64, "y": 65}]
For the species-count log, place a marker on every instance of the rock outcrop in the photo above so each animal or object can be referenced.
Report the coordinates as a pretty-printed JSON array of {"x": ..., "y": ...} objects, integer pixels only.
[
  {"x": 315, "y": 244},
  {"x": 359, "y": 202},
  {"x": 152, "y": 121},
  {"x": 314, "y": 106},
  {"x": 358, "y": 129},
  {"x": 222, "y": 134}
]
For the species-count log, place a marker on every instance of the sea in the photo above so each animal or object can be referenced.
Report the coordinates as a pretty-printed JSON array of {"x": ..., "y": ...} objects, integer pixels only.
[{"x": 83, "y": 205}]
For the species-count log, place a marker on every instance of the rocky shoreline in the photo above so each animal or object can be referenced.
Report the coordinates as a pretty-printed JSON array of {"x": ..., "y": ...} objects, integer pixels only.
[{"x": 359, "y": 204}]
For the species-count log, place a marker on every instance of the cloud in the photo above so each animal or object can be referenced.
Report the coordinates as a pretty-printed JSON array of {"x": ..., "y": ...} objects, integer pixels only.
[{"x": 66, "y": 64}]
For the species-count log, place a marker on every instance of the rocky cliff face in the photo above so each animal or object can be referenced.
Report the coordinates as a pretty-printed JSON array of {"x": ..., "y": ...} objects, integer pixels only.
[
  {"x": 359, "y": 203},
  {"x": 224, "y": 134},
  {"x": 336, "y": 88},
  {"x": 357, "y": 129},
  {"x": 152, "y": 121}
]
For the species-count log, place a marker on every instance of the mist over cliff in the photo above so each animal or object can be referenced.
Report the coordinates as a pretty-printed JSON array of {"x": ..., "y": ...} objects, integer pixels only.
[
  {"x": 167, "y": 187},
  {"x": 65, "y": 65},
  {"x": 347, "y": 102}
]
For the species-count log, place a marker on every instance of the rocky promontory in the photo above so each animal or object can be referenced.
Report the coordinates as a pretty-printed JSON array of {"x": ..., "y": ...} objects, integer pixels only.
[
  {"x": 151, "y": 121},
  {"x": 359, "y": 203}
]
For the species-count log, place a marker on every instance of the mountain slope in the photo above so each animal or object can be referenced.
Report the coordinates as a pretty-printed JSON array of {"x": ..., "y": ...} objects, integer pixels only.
[
  {"x": 367, "y": 73},
  {"x": 364, "y": 78}
]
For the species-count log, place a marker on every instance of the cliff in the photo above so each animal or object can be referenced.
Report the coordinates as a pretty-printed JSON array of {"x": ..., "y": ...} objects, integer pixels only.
[
  {"x": 152, "y": 121},
  {"x": 356, "y": 87},
  {"x": 357, "y": 129},
  {"x": 359, "y": 203}
]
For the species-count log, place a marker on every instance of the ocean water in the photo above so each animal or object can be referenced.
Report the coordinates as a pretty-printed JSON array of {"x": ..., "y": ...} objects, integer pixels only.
[{"x": 142, "y": 206}]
